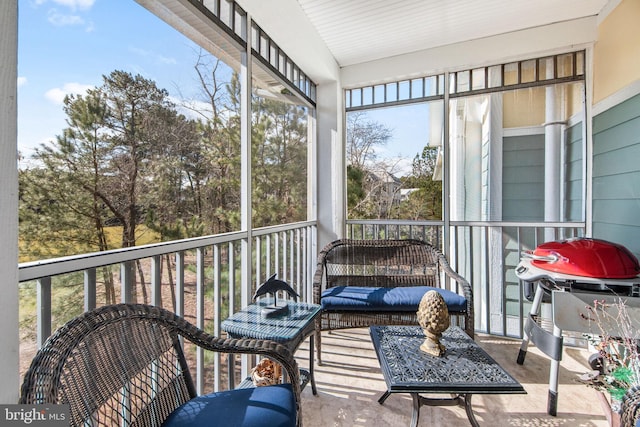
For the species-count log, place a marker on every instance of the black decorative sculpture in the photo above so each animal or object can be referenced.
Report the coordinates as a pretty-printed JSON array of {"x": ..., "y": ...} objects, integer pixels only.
[{"x": 272, "y": 286}]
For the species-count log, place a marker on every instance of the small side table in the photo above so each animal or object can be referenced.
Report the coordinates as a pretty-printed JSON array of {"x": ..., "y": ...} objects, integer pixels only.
[{"x": 290, "y": 329}]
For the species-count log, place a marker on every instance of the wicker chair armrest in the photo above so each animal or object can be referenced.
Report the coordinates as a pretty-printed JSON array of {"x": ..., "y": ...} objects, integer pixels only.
[
  {"x": 462, "y": 284},
  {"x": 271, "y": 349},
  {"x": 320, "y": 269},
  {"x": 317, "y": 283},
  {"x": 266, "y": 348}
]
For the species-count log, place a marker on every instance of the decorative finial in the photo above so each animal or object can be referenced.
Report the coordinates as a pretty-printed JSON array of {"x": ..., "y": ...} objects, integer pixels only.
[{"x": 433, "y": 316}]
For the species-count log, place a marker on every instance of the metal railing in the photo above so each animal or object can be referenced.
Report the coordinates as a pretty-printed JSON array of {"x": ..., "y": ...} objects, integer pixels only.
[
  {"x": 197, "y": 278},
  {"x": 486, "y": 253}
]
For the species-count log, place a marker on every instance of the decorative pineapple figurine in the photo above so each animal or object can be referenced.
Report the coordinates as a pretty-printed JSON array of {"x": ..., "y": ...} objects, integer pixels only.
[{"x": 433, "y": 316}]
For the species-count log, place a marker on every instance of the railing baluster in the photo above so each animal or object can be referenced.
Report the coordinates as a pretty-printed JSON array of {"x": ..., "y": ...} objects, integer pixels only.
[
  {"x": 89, "y": 289},
  {"x": 258, "y": 261},
  {"x": 156, "y": 280},
  {"x": 232, "y": 279},
  {"x": 299, "y": 267},
  {"x": 180, "y": 283},
  {"x": 200, "y": 290},
  {"x": 276, "y": 246},
  {"x": 43, "y": 295},
  {"x": 217, "y": 305},
  {"x": 269, "y": 251},
  {"x": 126, "y": 282}
]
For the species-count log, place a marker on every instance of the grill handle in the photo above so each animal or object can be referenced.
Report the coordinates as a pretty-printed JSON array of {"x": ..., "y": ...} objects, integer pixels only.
[{"x": 542, "y": 258}]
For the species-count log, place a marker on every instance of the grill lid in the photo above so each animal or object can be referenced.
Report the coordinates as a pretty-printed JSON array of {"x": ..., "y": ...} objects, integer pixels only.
[{"x": 586, "y": 257}]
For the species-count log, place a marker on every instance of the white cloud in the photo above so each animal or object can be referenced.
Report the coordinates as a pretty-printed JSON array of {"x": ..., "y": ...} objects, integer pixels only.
[
  {"x": 192, "y": 109},
  {"x": 56, "y": 95},
  {"x": 63, "y": 20},
  {"x": 72, "y": 4},
  {"x": 153, "y": 55},
  {"x": 76, "y": 4},
  {"x": 22, "y": 81},
  {"x": 69, "y": 15}
]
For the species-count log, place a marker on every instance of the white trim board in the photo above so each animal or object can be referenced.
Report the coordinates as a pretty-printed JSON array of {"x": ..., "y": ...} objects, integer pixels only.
[{"x": 616, "y": 98}]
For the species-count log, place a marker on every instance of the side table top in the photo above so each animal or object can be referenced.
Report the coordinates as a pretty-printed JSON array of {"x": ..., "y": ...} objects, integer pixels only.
[
  {"x": 249, "y": 321},
  {"x": 464, "y": 368}
]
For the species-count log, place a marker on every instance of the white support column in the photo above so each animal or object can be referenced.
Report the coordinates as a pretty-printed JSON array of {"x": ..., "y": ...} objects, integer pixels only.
[
  {"x": 552, "y": 151},
  {"x": 446, "y": 175},
  {"x": 246, "y": 260},
  {"x": 9, "y": 350},
  {"x": 331, "y": 169},
  {"x": 587, "y": 137},
  {"x": 312, "y": 165},
  {"x": 245, "y": 168},
  {"x": 553, "y": 155}
]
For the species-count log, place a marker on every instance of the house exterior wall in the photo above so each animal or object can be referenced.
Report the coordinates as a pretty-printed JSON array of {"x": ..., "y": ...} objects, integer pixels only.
[
  {"x": 617, "y": 50},
  {"x": 616, "y": 174},
  {"x": 521, "y": 113},
  {"x": 574, "y": 178},
  {"x": 616, "y": 127},
  {"x": 523, "y": 178}
]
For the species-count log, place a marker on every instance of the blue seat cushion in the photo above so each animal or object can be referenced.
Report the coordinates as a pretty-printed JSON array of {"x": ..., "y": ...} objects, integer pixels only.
[
  {"x": 350, "y": 298},
  {"x": 248, "y": 407}
]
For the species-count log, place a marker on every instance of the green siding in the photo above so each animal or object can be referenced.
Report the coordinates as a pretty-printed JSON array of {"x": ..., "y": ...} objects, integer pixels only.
[
  {"x": 574, "y": 174},
  {"x": 523, "y": 178},
  {"x": 616, "y": 174}
]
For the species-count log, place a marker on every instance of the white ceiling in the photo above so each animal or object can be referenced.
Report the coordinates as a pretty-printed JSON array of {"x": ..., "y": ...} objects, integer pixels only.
[{"x": 357, "y": 31}]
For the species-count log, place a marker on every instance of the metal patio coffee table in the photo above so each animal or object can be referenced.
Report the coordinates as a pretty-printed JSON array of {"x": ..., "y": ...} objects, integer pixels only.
[{"x": 464, "y": 370}]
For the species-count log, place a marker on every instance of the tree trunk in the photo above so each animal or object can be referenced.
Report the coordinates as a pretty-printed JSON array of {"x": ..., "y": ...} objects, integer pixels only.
[
  {"x": 145, "y": 296},
  {"x": 171, "y": 285}
]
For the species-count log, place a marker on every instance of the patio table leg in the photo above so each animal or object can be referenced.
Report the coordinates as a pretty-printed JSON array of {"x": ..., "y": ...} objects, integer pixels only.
[
  {"x": 384, "y": 397},
  {"x": 455, "y": 400},
  {"x": 415, "y": 415},
  {"x": 469, "y": 410},
  {"x": 311, "y": 374}
]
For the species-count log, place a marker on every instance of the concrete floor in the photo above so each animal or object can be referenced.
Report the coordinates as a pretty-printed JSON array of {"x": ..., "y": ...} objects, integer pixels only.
[{"x": 350, "y": 382}]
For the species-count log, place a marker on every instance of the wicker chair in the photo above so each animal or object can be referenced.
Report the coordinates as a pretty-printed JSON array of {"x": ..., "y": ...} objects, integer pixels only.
[
  {"x": 382, "y": 265},
  {"x": 124, "y": 365},
  {"x": 630, "y": 411}
]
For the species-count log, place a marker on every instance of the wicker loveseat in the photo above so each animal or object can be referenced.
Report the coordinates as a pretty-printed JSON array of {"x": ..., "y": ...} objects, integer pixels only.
[
  {"x": 381, "y": 282},
  {"x": 124, "y": 365}
]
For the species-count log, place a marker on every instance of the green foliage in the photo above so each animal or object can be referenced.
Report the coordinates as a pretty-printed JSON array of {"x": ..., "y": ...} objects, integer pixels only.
[
  {"x": 619, "y": 357},
  {"x": 129, "y": 158},
  {"x": 357, "y": 195},
  {"x": 425, "y": 203},
  {"x": 368, "y": 194},
  {"x": 279, "y": 163}
]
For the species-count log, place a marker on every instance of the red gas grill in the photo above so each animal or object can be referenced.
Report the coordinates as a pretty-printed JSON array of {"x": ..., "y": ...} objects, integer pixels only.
[{"x": 581, "y": 265}]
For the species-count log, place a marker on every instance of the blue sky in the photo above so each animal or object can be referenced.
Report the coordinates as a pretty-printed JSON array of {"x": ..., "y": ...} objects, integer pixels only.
[
  {"x": 409, "y": 125},
  {"x": 66, "y": 46}
]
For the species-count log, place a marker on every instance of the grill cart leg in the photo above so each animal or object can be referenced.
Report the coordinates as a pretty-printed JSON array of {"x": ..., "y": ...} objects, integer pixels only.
[
  {"x": 535, "y": 308},
  {"x": 549, "y": 344}
]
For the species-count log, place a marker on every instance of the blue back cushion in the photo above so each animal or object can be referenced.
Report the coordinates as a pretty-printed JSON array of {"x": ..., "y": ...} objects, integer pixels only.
[
  {"x": 349, "y": 298},
  {"x": 248, "y": 407}
]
